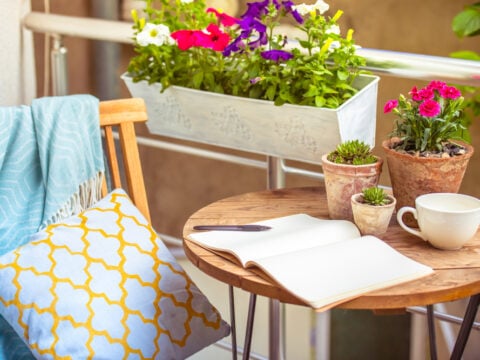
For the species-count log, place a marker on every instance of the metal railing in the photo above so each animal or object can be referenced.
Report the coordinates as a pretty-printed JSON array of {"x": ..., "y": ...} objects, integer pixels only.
[{"x": 382, "y": 62}]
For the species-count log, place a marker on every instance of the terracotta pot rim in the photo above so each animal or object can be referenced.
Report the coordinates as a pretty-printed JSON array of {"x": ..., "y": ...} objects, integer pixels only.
[
  {"x": 391, "y": 204},
  {"x": 325, "y": 160},
  {"x": 386, "y": 144}
]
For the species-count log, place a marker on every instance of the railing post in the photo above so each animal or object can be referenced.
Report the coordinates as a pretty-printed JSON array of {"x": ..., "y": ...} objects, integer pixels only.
[{"x": 58, "y": 58}]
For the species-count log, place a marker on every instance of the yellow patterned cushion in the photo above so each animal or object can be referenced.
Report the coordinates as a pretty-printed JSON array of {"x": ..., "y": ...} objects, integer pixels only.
[{"x": 102, "y": 285}]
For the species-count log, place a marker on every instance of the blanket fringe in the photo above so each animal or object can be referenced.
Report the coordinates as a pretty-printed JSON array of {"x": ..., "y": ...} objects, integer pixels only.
[{"x": 87, "y": 195}]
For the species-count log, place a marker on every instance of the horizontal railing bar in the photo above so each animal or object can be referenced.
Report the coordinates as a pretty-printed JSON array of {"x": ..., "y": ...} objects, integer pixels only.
[
  {"x": 424, "y": 67},
  {"x": 392, "y": 63},
  {"x": 88, "y": 28},
  {"x": 217, "y": 155},
  {"x": 442, "y": 316}
]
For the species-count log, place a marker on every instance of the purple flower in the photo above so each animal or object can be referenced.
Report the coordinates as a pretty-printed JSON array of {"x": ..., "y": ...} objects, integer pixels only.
[
  {"x": 276, "y": 55},
  {"x": 249, "y": 24},
  {"x": 256, "y": 9},
  {"x": 235, "y": 46},
  {"x": 262, "y": 40},
  {"x": 288, "y": 5}
]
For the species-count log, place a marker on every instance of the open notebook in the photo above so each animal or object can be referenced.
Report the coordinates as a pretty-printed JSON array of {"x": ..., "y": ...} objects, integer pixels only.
[{"x": 321, "y": 262}]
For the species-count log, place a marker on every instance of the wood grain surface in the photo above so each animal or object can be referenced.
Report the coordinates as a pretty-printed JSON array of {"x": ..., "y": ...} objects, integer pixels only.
[{"x": 457, "y": 273}]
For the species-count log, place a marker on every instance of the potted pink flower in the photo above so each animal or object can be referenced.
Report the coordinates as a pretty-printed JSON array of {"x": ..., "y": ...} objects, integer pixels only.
[{"x": 424, "y": 153}]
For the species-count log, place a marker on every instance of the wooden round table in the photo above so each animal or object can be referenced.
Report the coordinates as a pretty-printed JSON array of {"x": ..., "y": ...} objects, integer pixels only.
[{"x": 456, "y": 276}]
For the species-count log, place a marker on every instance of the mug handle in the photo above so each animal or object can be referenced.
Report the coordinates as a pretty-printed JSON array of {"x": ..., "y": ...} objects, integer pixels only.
[{"x": 408, "y": 209}]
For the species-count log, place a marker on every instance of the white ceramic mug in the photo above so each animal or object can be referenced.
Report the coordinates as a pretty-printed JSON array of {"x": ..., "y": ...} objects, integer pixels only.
[{"x": 445, "y": 220}]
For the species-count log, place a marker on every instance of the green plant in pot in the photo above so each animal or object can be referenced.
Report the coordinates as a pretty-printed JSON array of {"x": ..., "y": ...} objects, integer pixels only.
[
  {"x": 245, "y": 82},
  {"x": 348, "y": 169},
  {"x": 185, "y": 43},
  {"x": 424, "y": 154},
  {"x": 372, "y": 210}
]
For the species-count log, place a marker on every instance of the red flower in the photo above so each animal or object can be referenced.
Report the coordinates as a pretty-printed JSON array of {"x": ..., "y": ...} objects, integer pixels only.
[
  {"x": 429, "y": 108},
  {"x": 185, "y": 39}
]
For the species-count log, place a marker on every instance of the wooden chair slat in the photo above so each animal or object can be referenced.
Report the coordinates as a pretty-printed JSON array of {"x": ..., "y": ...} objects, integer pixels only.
[{"x": 124, "y": 113}]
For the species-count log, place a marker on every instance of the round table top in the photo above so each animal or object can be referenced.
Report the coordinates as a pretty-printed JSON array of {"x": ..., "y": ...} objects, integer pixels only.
[{"x": 456, "y": 275}]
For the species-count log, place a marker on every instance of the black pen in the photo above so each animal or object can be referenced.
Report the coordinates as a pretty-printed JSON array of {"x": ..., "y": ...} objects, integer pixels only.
[{"x": 251, "y": 227}]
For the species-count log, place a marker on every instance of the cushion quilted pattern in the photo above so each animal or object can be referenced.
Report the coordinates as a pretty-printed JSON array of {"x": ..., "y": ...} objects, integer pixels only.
[{"x": 103, "y": 285}]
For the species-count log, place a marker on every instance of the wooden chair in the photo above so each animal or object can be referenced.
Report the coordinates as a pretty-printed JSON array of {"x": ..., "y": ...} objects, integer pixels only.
[{"x": 123, "y": 114}]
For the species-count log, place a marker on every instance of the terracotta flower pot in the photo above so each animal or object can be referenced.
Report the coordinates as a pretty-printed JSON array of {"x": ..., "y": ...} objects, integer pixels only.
[
  {"x": 412, "y": 176},
  {"x": 342, "y": 181},
  {"x": 372, "y": 220}
]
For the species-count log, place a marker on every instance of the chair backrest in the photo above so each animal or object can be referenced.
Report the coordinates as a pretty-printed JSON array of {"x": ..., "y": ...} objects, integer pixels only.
[{"x": 122, "y": 114}]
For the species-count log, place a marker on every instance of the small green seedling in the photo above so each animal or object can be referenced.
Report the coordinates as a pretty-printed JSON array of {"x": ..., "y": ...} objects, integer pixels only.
[
  {"x": 375, "y": 196},
  {"x": 352, "y": 152}
]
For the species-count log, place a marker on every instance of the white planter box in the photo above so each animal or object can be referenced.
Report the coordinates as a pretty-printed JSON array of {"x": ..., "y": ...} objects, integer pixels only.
[{"x": 294, "y": 132}]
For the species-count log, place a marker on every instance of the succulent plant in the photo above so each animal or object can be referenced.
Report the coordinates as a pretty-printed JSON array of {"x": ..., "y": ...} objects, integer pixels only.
[
  {"x": 352, "y": 152},
  {"x": 375, "y": 196}
]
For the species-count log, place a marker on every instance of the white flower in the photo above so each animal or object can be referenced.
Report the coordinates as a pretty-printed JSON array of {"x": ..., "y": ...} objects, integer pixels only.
[
  {"x": 321, "y": 6},
  {"x": 304, "y": 9},
  {"x": 154, "y": 34},
  {"x": 334, "y": 46},
  {"x": 333, "y": 29},
  {"x": 186, "y": 1}
]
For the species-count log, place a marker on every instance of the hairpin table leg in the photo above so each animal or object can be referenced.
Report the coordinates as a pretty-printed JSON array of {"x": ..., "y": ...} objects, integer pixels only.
[
  {"x": 466, "y": 327},
  {"x": 431, "y": 332},
  {"x": 249, "y": 330},
  {"x": 232, "y": 322}
]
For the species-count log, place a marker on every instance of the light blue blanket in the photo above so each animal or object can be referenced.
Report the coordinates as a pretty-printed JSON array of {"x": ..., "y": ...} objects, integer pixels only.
[
  {"x": 51, "y": 166},
  {"x": 51, "y": 161}
]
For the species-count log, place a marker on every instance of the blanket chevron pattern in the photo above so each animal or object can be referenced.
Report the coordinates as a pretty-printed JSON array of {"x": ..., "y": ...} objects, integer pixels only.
[{"x": 51, "y": 164}]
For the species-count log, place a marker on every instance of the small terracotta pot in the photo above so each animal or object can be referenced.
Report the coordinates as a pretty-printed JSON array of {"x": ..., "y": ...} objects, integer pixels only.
[
  {"x": 372, "y": 220},
  {"x": 342, "y": 181},
  {"x": 412, "y": 176}
]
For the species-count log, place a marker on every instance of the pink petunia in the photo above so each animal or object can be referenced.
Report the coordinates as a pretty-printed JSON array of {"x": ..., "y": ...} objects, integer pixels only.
[
  {"x": 214, "y": 38},
  {"x": 225, "y": 19},
  {"x": 389, "y": 106},
  {"x": 429, "y": 108},
  {"x": 450, "y": 92}
]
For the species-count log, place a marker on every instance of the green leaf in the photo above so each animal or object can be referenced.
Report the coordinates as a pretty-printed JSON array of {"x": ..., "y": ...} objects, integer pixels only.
[
  {"x": 270, "y": 93},
  {"x": 343, "y": 75},
  {"x": 466, "y": 54},
  {"x": 319, "y": 101},
  {"x": 197, "y": 79},
  {"x": 312, "y": 91},
  {"x": 467, "y": 22}
]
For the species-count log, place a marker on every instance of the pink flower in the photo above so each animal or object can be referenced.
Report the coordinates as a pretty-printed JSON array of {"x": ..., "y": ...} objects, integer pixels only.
[
  {"x": 436, "y": 85},
  {"x": 389, "y": 106},
  {"x": 414, "y": 94},
  {"x": 422, "y": 94},
  {"x": 214, "y": 39},
  {"x": 429, "y": 108},
  {"x": 450, "y": 92},
  {"x": 225, "y": 19},
  {"x": 426, "y": 93}
]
